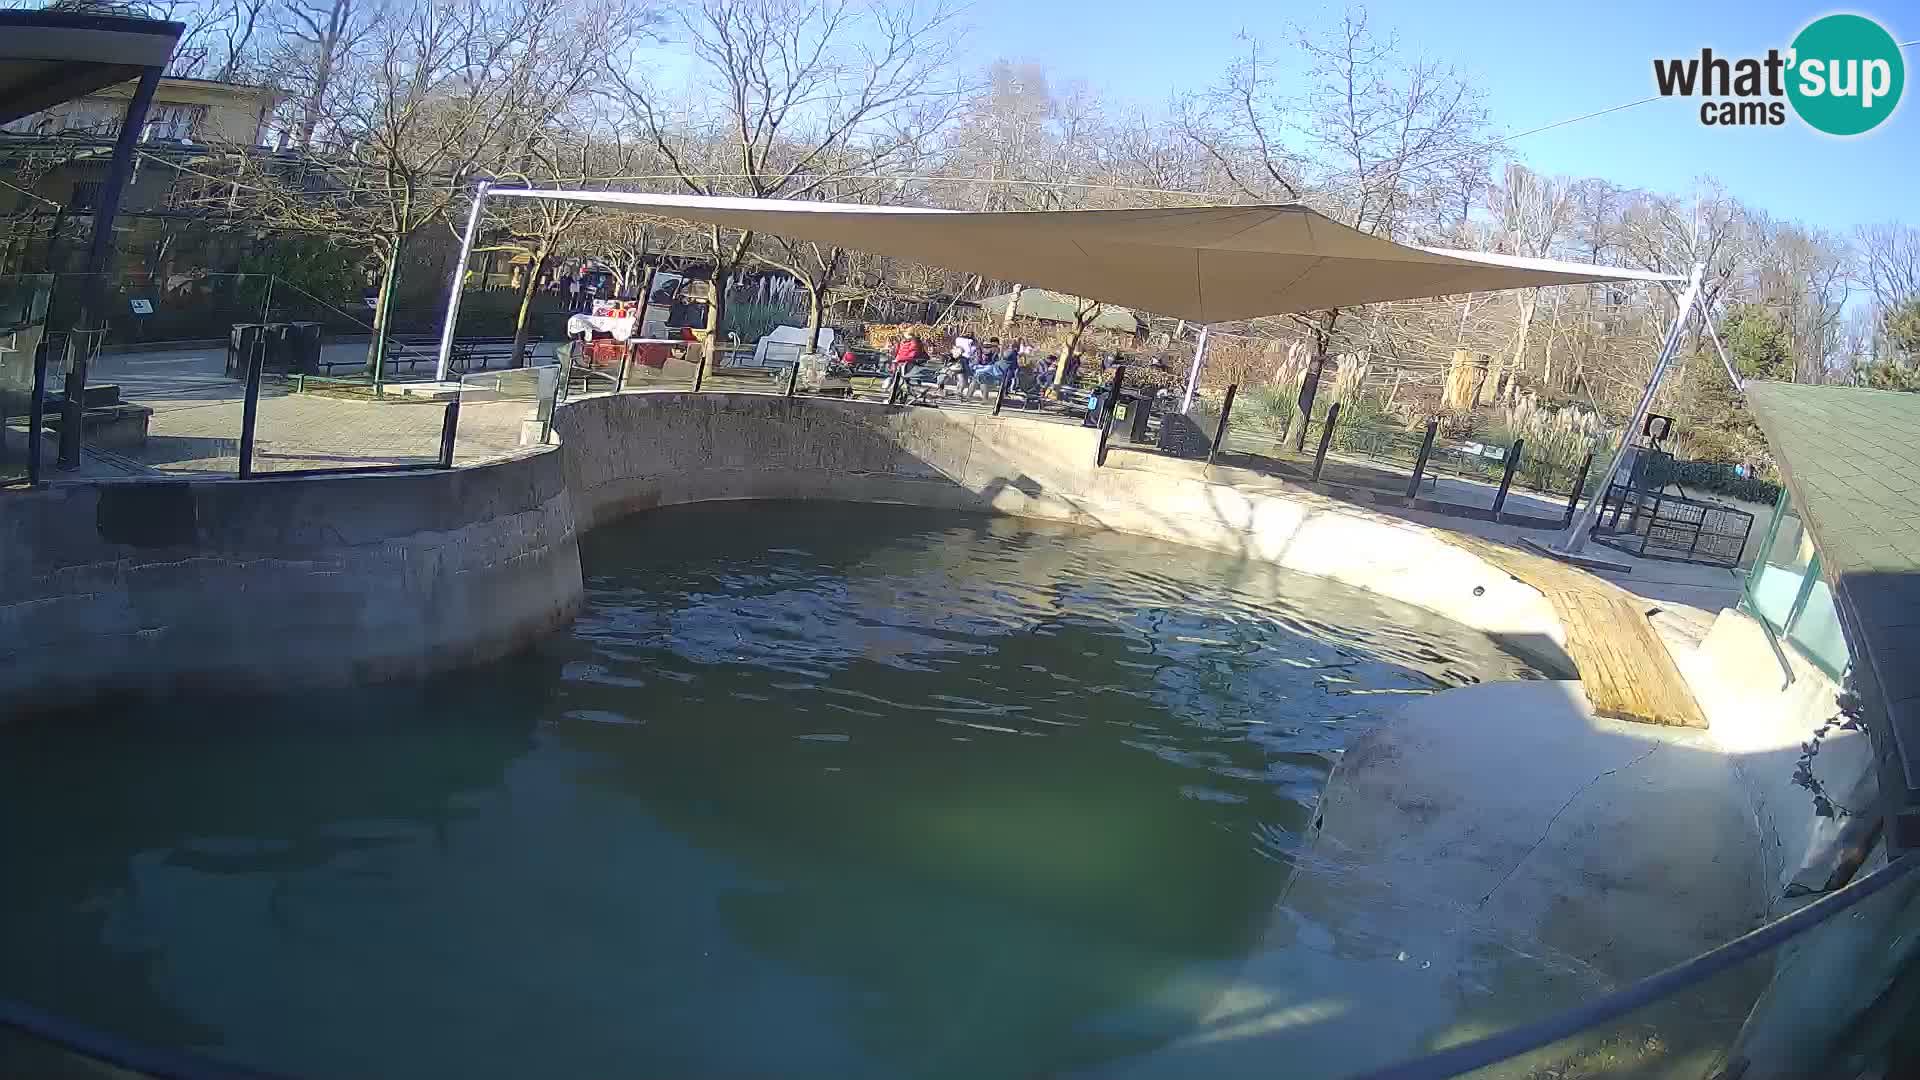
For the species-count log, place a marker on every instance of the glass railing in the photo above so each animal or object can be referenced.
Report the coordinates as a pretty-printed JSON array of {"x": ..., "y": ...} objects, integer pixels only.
[
  {"x": 503, "y": 412},
  {"x": 1825, "y": 982},
  {"x": 23, "y": 344}
]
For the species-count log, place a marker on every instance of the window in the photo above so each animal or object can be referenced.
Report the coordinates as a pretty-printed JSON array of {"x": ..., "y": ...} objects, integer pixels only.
[
  {"x": 92, "y": 116},
  {"x": 174, "y": 123},
  {"x": 1785, "y": 590}
]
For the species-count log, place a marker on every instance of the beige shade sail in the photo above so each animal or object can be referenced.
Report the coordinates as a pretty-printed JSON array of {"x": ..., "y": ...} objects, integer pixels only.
[{"x": 1204, "y": 264}]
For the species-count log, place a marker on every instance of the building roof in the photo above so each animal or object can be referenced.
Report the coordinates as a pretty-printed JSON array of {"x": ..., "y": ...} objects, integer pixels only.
[
  {"x": 1851, "y": 460},
  {"x": 1205, "y": 264},
  {"x": 1049, "y": 306},
  {"x": 47, "y": 57}
]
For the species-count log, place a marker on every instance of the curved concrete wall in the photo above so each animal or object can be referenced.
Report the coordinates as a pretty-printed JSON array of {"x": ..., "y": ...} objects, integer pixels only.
[
  {"x": 153, "y": 587},
  {"x": 630, "y": 452}
]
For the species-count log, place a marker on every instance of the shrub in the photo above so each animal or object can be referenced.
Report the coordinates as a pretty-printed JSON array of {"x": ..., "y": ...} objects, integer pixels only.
[
  {"x": 1696, "y": 476},
  {"x": 752, "y": 321}
]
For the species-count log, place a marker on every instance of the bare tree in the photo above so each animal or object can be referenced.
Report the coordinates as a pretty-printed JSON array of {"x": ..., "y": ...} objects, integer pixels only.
[
  {"x": 417, "y": 107},
  {"x": 1889, "y": 263},
  {"x": 789, "y": 96},
  {"x": 317, "y": 38}
]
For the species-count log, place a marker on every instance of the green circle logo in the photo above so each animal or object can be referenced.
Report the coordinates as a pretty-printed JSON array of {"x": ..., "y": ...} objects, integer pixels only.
[{"x": 1846, "y": 74}]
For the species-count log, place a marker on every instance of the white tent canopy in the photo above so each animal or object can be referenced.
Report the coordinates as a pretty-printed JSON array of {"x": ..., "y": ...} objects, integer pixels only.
[{"x": 1204, "y": 264}]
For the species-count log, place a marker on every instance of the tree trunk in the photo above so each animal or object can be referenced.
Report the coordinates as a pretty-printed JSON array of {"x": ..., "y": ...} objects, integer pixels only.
[
  {"x": 717, "y": 304},
  {"x": 816, "y": 314},
  {"x": 377, "y": 348},
  {"x": 1006, "y": 320},
  {"x": 1529, "y": 304},
  {"x": 526, "y": 304}
]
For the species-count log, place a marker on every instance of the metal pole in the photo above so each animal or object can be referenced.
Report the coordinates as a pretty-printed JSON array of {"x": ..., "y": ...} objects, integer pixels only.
[
  {"x": 1506, "y": 478},
  {"x": 1420, "y": 463},
  {"x": 37, "y": 408},
  {"x": 1574, "y": 541},
  {"x": 793, "y": 377},
  {"x": 626, "y": 360},
  {"x": 449, "y": 429},
  {"x": 460, "y": 280},
  {"x": 699, "y": 365},
  {"x": 1106, "y": 406},
  {"x": 1006, "y": 381},
  {"x": 1193, "y": 373},
  {"x": 1220, "y": 430},
  {"x": 1579, "y": 485},
  {"x": 250, "y": 409},
  {"x": 99, "y": 261},
  {"x": 1326, "y": 436},
  {"x": 1732, "y": 374}
]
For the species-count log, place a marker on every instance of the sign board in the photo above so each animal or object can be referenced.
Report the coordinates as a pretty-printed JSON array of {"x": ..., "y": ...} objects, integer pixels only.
[{"x": 142, "y": 307}]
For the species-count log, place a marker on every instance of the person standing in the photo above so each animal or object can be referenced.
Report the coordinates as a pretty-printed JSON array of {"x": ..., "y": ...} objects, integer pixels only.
[{"x": 573, "y": 295}]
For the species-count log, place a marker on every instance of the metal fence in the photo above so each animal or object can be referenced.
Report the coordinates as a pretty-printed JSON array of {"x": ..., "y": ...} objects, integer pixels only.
[{"x": 1368, "y": 458}]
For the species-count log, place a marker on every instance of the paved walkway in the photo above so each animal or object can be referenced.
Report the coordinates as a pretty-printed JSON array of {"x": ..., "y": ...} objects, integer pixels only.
[{"x": 197, "y": 413}]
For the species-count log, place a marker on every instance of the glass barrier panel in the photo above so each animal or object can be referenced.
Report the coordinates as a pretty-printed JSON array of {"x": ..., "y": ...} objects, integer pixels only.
[
  {"x": 23, "y": 327},
  {"x": 502, "y": 412}
]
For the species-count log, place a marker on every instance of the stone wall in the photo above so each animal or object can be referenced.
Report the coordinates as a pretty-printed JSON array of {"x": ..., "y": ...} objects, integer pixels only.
[
  {"x": 156, "y": 587},
  {"x": 636, "y": 451}
]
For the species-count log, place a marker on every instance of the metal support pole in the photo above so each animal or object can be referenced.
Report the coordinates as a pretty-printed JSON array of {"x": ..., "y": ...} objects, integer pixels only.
[
  {"x": 793, "y": 378},
  {"x": 1006, "y": 381},
  {"x": 37, "y": 408},
  {"x": 1326, "y": 436},
  {"x": 700, "y": 366},
  {"x": 1506, "y": 478},
  {"x": 1220, "y": 429},
  {"x": 1420, "y": 463},
  {"x": 449, "y": 431},
  {"x": 100, "y": 263},
  {"x": 1106, "y": 406},
  {"x": 460, "y": 281},
  {"x": 626, "y": 361},
  {"x": 250, "y": 409},
  {"x": 1579, "y": 485},
  {"x": 1193, "y": 373},
  {"x": 1574, "y": 541}
]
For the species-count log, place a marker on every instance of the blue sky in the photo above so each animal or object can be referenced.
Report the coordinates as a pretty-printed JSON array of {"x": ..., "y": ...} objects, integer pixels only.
[{"x": 1538, "y": 62}]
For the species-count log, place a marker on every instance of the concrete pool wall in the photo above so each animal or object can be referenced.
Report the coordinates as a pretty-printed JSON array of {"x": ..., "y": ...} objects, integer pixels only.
[
  {"x": 633, "y": 452},
  {"x": 157, "y": 586},
  {"x": 149, "y": 588}
]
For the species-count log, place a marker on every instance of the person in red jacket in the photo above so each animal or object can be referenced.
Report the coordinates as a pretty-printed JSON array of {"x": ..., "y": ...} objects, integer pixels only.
[{"x": 909, "y": 352}]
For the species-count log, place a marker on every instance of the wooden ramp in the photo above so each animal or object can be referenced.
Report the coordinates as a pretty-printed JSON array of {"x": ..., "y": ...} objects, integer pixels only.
[{"x": 1624, "y": 667}]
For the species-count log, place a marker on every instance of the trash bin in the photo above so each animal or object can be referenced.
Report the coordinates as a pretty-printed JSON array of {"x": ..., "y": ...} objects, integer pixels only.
[
  {"x": 303, "y": 342},
  {"x": 242, "y": 341},
  {"x": 273, "y": 341}
]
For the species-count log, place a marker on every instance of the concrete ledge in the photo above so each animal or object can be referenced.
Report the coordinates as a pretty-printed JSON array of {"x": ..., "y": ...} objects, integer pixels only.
[
  {"x": 1627, "y": 846},
  {"x": 277, "y": 584}
]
